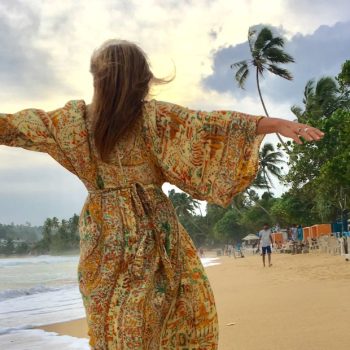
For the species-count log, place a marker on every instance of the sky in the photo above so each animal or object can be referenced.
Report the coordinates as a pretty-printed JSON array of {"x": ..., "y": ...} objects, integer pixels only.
[{"x": 46, "y": 45}]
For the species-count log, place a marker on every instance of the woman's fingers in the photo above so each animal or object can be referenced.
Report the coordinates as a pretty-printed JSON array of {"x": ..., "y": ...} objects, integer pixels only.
[
  {"x": 318, "y": 132},
  {"x": 296, "y": 131},
  {"x": 293, "y": 134},
  {"x": 296, "y": 138},
  {"x": 314, "y": 134},
  {"x": 308, "y": 133}
]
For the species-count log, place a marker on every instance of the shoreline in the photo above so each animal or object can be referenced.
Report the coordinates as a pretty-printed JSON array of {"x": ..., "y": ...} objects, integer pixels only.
[
  {"x": 16, "y": 256},
  {"x": 74, "y": 328},
  {"x": 301, "y": 302}
]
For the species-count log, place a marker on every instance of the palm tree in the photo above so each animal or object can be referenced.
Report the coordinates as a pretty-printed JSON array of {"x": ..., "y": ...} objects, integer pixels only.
[
  {"x": 254, "y": 197},
  {"x": 184, "y": 204},
  {"x": 270, "y": 160},
  {"x": 260, "y": 182},
  {"x": 321, "y": 99},
  {"x": 185, "y": 207},
  {"x": 343, "y": 79},
  {"x": 267, "y": 52},
  {"x": 55, "y": 223},
  {"x": 239, "y": 203},
  {"x": 47, "y": 232}
]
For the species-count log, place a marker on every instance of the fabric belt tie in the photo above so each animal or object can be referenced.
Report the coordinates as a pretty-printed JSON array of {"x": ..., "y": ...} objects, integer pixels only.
[{"x": 145, "y": 207}]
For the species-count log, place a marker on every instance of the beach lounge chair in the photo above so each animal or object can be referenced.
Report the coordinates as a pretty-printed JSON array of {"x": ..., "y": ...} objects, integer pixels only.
[
  {"x": 347, "y": 256},
  {"x": 286, "y": 247},
  {"x": 333, "y": 246},
  {"x": 323, "y": 244},
  {"x": 313, "y": 244}
]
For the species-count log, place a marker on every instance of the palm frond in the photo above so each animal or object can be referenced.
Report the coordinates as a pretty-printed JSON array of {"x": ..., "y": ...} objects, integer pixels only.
[
  {"x": 326, "y": 95},
  {"x": 276, "y": 55},
  {"x": 275, "y": 171},
  {"x": 297, "y": 111},
  {"x": 239, "y": 64},
  {"x": 309, "y": 91},
  {"x": 264, "y": 36},
  {"x": 269, "y": 161},
  {"x": 251, "y": 33},
  {"x": 259, "y": 181},
  {"x": 269, "y": 178},
  {"x": 277, "y": 41},
  {"x": 281, "y": 72},
  {"x": 241, "y": 75},
  {"x": 268, "y": 147},
  {"x": 274, "y": 157},
  {"x": 326, "y": 86}
]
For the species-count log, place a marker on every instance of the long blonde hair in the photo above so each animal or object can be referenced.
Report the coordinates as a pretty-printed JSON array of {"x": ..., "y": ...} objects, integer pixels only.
[{"x": 122, "y": 79}]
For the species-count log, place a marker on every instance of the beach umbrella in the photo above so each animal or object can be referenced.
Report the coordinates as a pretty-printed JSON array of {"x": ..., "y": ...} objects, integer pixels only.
[{"x": 250, "y": 237}]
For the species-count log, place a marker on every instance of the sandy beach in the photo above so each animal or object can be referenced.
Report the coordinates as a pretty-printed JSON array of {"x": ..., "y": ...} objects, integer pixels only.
[{"x": 301, "y": 302}]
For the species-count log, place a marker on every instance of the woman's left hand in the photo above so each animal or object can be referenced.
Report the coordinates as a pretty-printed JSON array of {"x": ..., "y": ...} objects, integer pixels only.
[
  {"x": 295, "y": 130},
  {"x": 289, "y": 129}
]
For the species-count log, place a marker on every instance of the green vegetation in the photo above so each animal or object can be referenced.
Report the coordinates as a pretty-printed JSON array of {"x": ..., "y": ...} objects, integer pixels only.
[
  {"x": 266, "y": 55},
  {"x": 246, "y": 213},
  {"x": 54, "y": 237},
  {"x": 318, "y": 172}
]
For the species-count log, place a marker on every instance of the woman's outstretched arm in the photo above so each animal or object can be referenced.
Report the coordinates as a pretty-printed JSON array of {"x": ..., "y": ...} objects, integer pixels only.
[
  {"x": 56, "y": 132},
  {"x": 289, "y": 129},
  {"x": 211, "y": 155}
]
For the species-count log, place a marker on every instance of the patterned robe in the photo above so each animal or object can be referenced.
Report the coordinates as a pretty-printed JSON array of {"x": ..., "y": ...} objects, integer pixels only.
[{"x": 142, "y": 283}]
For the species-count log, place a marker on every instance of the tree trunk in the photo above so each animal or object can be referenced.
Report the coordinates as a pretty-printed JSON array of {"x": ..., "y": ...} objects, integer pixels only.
[
  {"x": 266, "y": 113},
  {"x": 235, "y": 207},
  {"x": 189, "y": 216},
  {"x": 259, "y": 205},
  {"x": 268, "y": 187}
]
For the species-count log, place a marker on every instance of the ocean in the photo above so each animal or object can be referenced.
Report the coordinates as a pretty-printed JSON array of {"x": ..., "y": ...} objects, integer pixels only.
[{"x": 37, "y": 291}]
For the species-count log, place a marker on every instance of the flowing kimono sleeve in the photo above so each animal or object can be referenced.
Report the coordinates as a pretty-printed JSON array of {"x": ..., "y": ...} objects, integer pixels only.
[
  {"x": 210, "y": 155},
  {"x": 37, "y": 130}
]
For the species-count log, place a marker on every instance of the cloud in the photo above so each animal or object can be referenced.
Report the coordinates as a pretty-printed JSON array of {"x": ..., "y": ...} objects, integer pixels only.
[
  {"x": 33, "y": 188},
  {"x": 318, "y": 54},
  {"x": 336, "y": 9},
  {"x": 25, "y": 69},
  {"x": 45, "y": 48}
]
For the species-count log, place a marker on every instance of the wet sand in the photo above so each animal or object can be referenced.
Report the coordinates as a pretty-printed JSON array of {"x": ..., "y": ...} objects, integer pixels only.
[{"x": 301, "y": 302}]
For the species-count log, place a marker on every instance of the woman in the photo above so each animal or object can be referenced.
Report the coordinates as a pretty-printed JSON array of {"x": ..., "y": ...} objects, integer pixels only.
[{"x": 141, "y": 281}]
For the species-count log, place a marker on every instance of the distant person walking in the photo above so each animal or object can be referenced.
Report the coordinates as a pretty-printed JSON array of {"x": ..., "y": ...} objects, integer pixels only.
[
  {"x": 142, "y": 283},
  {"x": 300, "y": 233},
  {"x": 294, "y": 231},
  {"x": 265, "y": 239}
]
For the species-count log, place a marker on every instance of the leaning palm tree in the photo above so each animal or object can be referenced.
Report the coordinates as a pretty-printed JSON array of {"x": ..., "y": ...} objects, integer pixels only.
[
  {"x": 254, "y": 198},
  {"x": 270, "y": 161},
  {"x": 267, "y": 53}
]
